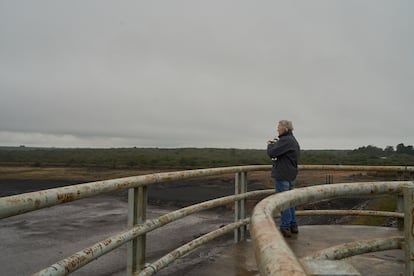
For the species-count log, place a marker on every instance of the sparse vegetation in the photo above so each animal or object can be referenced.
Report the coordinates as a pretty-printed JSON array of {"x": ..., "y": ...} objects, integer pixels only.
[
  {"x": 132, "y": 157},
  {"x": 142, "y": 158}
]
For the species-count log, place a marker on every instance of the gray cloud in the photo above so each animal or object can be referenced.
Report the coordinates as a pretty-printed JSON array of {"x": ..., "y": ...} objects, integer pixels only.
[{"x": 210, "y": 74}]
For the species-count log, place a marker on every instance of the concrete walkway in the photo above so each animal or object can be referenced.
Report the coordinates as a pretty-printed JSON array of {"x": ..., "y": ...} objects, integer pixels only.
[{"x": 238, "y": 259}]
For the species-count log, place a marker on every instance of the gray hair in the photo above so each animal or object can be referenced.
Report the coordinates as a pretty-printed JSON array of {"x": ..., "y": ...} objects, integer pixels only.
[{"x": 287, "y": 125}]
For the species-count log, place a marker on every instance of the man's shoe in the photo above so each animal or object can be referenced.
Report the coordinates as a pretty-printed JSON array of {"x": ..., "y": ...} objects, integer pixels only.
[
  {"x": 286, "y": 232},
  {"x": 294, "y": 229}
]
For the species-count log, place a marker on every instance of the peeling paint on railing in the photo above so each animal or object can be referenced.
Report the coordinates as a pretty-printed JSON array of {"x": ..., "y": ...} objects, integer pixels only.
[
  {"x": 269, "y": 244},
  {"x": 356, "y": 248},
  {"x": 273, "y": 255},
  {"x": 22, "y": 203},
  {"x": 151, "y": 269},
  {"x": 87, "y": 255}
]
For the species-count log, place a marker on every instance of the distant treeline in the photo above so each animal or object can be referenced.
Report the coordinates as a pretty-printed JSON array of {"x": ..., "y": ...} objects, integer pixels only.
[
  {"x": 366, "y": 155},
  {"x": 194, "y": 157}
]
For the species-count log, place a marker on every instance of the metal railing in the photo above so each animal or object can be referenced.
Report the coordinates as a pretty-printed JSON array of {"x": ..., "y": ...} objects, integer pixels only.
[
  {"x": 139, "y": 225},
  {"x": 273, "y": 255}
]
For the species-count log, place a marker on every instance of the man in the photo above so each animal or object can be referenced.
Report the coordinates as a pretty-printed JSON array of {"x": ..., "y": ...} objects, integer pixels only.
[{"x": 285, "y": 153}]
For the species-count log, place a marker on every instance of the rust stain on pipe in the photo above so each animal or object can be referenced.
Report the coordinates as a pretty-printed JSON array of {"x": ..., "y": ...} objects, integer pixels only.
[
  {"x": 65, "y": 197},
  {"x": 271, "y": 250}
]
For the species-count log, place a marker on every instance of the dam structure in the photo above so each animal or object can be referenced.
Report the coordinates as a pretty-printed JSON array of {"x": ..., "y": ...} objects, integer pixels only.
[{"x": 93, "y": 234}]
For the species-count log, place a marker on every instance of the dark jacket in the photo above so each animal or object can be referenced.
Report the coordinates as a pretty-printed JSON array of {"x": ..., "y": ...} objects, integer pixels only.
[{"x": 285, "y": 154}]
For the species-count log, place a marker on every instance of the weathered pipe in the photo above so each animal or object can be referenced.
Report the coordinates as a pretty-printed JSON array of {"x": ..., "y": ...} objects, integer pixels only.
[
  {"x": 350, "y": 249},
  {"x": 273, "y": 255},
  {"x": 349, "y": 213},
  {"x": 22, "y": 203},
  {"x": 151, "y": 269},
  {"x": 88, "y": 254}
]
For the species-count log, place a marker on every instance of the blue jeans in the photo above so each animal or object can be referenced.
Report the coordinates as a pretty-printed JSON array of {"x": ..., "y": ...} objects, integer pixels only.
[{"x": 287, "y": 216}]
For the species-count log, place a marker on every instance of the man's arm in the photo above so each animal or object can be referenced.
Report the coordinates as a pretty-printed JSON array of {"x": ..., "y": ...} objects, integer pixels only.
[{"x": 278, "y": 148}]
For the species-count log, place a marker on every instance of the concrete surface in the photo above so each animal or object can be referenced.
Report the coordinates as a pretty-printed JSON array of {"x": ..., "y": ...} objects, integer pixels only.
[
  {"x": 238, "y": 259},
  {"x": 33, "y": 241}
]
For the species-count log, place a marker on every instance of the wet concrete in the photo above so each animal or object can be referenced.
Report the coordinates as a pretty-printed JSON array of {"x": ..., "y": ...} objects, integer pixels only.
[{"x": 238, "y": 259}]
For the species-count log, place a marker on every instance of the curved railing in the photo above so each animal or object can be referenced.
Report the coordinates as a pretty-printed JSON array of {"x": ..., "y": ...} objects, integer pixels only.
[
  {"x": 139, "y": 225},
  {"x": 273, "y": 255}
]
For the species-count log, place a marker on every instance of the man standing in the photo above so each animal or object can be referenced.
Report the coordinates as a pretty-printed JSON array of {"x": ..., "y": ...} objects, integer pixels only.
[{"x": 285, "y": 153}]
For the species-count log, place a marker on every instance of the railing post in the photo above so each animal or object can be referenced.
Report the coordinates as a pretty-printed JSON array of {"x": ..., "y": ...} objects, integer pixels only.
[
  {"x": 137, "y": 209},
  {"x": 400, "y": 209},
  {"x": 409, "y": 228},
  {"x": 240, "y": 185}
]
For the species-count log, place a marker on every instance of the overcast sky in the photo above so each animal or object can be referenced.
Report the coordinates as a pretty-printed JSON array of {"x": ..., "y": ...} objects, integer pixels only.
[{"x": 206, "y": 73}]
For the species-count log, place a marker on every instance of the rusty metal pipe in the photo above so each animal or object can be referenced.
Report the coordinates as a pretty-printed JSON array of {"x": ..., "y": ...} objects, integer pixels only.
[
  {"x": 156, "y": 266},
  {"x": 273, "y": 255},
  {"x": 22, "y": 203},
  {"x": 350, "y": 249},
  {"x": 88, "y": 254}
]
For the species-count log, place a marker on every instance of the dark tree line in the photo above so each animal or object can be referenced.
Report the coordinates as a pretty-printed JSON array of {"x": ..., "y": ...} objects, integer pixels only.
[
  {"x": 387, "y": 151},
  {"x": 405, "y": 149}
]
